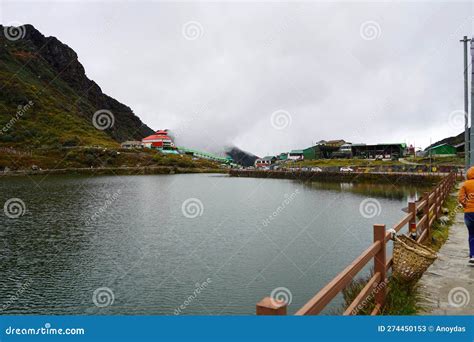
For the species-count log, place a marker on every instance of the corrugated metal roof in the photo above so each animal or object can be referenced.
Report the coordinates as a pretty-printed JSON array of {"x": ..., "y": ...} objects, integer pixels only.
[{"x": 444, "y": 144}]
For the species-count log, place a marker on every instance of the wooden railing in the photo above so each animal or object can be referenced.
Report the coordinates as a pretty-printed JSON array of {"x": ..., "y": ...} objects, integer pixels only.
[{"x": 419, "y": 227}]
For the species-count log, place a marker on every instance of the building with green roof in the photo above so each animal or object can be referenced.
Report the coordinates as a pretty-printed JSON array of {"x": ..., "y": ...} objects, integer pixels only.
[{"x": 442, "y": 150}]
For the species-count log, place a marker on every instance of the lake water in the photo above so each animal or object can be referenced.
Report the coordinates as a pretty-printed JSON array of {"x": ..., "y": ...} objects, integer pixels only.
[{"x": 203, "y": 243}]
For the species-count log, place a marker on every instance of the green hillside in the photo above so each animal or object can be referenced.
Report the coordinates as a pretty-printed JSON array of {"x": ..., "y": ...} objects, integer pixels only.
[
  {"x": 47, "y": 101},
  {"x": 48, "y": 110}
]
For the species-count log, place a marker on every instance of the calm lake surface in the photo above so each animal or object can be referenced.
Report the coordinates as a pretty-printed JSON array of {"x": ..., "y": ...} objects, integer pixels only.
[{"x": 152, "y": 241}]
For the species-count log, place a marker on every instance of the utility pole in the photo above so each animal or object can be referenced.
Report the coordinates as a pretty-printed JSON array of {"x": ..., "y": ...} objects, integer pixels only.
[
  {"x": 466, "y": 108},
  {"x": 431, "y": 168},
  {"x": 471, "y": 145}
]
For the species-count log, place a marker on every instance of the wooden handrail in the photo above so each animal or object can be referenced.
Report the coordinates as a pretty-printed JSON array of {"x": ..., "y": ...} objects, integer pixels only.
[
  {"x": 423, "y": 220},
  {"x": 421, "y": 205},
  {"x": 430, "y": 206},
  {"x": 356, "y": 304},
  {"x": 400, "y": 224},
  {"x": 377, "y": 309},
  {"x": 316, "y": 304},
  {"x": 422, "y": 236}
]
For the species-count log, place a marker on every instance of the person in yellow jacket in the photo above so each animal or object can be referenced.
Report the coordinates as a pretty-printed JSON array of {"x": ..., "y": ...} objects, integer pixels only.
[{"x": 466, "y": 199}]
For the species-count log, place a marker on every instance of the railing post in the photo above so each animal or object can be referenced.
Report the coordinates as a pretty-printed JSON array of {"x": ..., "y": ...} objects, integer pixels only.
[
  {"x": 412, "y": 222},
  {"x": 271, "y": 307},
  {"x": 426, "y": 211},
  {"x": 438, "y": 202},
  {"x": 380, "y": 260}
]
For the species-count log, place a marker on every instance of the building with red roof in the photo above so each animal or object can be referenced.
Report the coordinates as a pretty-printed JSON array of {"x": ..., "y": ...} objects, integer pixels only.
[{"x": 160, "y": 140}]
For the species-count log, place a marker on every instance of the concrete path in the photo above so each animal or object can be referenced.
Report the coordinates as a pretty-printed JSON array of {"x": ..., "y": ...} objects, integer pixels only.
[{"x": 447, "y": 288}]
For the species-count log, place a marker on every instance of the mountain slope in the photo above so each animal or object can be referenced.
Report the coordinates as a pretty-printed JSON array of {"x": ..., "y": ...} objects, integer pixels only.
[
  {"x": 450, "y": 140},
  {"x": 241, "y": 157},
  {"x": 46, "y": 99}
]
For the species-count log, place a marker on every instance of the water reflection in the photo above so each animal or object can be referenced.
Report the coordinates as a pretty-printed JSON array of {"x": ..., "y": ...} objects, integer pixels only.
[
  {"x": 405, "y": 193},
  {"x": 129, "y": 234}
]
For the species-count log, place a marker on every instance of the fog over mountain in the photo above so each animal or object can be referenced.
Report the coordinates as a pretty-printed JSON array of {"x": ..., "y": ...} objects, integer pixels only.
[{"x": 269, "y": 77}]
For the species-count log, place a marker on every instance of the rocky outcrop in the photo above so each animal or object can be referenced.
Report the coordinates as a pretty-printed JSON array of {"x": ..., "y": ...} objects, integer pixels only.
[{"x": 89, "y": 97}]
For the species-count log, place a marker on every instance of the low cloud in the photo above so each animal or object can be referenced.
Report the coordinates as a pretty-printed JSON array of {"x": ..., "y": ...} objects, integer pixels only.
[{"x": 365, "y": 72}]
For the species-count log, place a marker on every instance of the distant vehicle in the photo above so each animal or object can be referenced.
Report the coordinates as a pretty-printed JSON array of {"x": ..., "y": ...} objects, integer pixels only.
[
  {"x": 346, "y": 169},
  {"x": 316, "y": 169}
]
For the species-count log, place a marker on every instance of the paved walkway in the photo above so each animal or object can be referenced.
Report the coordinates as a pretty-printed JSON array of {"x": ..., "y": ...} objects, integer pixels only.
[{"x": 447, "y": 288}]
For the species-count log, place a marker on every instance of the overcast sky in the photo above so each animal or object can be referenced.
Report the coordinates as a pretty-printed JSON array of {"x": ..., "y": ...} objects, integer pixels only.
[{"x": 270, "y": 77}]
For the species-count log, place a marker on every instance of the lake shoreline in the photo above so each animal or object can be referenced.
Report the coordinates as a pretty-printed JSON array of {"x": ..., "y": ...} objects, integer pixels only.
[
  {"x": 335, "y": 177},
  {"x": 119, "y": 171},
  {"x": 133, "y": 235},
  {"x": 345, "y": 177}
]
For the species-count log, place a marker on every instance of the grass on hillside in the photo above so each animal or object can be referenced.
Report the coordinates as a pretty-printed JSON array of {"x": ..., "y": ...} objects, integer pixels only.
[
  {"x": 66, "y": 158},
  {"x": 57, "y": 116}
]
